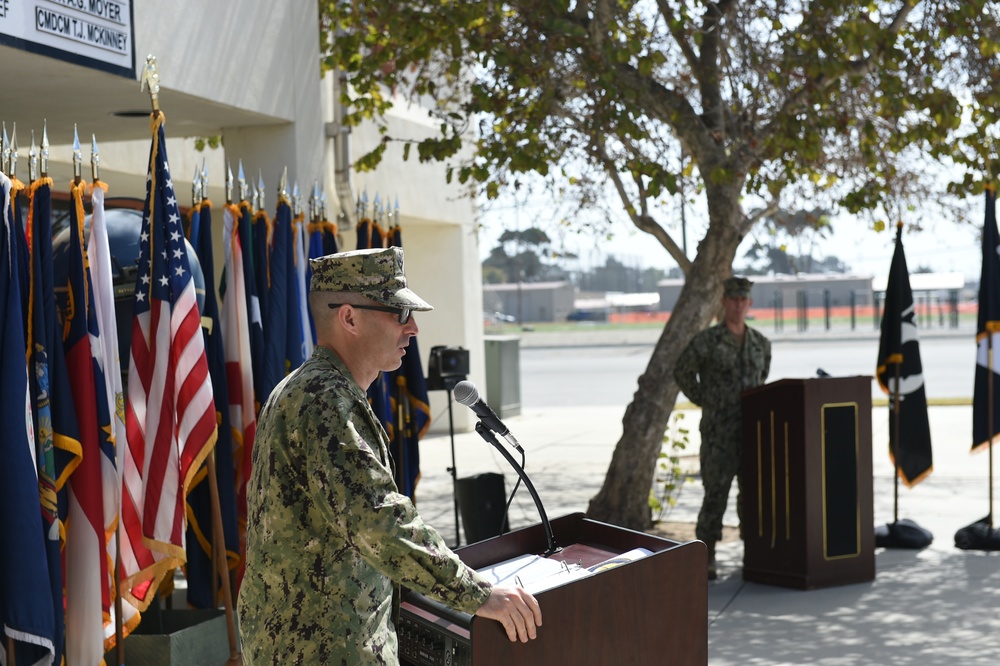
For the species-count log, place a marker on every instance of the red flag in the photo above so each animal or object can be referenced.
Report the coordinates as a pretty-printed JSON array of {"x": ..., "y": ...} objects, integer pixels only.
[
  {"x": 170, "y": 415},
  {"x": 88, "y": 577},
  {"x": 107, "y": 356},
  {"x": 239, "y": 372}
]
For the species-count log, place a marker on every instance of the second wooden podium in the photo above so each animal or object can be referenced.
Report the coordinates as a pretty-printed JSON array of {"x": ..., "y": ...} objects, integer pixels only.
[{"x": 807, "y": 483}]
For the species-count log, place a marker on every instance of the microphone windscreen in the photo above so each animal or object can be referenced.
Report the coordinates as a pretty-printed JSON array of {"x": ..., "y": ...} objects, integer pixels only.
[{"x": 466, "y": 393}]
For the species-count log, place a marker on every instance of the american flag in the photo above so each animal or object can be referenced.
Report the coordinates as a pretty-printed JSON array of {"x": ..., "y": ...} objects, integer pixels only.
[{"x": 170, "y": 416}]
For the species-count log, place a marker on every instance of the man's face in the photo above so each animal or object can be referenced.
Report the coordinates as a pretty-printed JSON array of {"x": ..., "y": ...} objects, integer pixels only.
[
  {"x": 736, "y": 308},
  {"x": 387, "y": 338}
]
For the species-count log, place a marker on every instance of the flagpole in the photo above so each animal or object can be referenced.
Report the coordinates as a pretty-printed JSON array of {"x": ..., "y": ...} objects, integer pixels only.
[
  {"x": 218, "y": 554},
  {"x": 10, "y": 651},
  {"x": 989, "y": 417},
  {"x": 895, "y": 445},
  {"x": 119, "y": 628},
  {"x": 150, "y": 81},
  {"x": 119, "y": 621}
]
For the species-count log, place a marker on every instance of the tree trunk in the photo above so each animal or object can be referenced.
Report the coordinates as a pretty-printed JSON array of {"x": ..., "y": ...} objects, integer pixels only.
[{"x": 624, "y": 498}]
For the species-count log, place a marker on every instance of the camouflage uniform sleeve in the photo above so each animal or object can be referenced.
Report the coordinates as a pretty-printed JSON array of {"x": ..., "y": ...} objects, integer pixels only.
[
  {"x": 383, "y": 526},
  {"x": 767, "y": 359},
  {"x": 761, "y": 351},
  {"x": 686, "y": 371}
]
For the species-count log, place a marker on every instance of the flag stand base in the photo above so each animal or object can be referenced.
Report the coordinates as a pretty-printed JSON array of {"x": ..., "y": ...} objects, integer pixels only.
[
  {"x": 903, "y": 533},
  {"x": 980, "y": 535}
]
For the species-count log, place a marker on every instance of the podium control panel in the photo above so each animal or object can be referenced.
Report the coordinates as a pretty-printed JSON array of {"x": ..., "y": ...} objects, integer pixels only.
[{"x": 430, "y": 639}]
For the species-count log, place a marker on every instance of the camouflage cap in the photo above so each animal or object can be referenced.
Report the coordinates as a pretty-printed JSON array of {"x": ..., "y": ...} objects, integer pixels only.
[
  {"x": 375, "y": 273},
  {"x": 736, "y": 287}
]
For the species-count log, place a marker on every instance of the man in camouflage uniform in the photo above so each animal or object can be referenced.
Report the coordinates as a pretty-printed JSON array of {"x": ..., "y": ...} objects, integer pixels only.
[
  {"x": 329, "y": 537},
  {"x": 716, "y": 366}
]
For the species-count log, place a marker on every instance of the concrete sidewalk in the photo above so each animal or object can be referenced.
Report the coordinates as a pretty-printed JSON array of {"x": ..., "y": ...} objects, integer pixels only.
[{"x": 934, "y": 606}]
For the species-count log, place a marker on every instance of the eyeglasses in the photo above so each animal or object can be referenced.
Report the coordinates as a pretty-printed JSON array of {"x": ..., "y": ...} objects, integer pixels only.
[{"x": 403, "y": 314}]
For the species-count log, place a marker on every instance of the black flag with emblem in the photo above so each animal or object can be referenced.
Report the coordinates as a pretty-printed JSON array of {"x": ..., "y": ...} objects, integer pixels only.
[
  {"x": 987, "y": 331},
  {"x": 910, "y": 447}
]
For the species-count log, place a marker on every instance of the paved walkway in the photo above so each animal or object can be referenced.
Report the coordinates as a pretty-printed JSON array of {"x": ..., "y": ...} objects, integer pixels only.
[{"x": 934, "y": 606}]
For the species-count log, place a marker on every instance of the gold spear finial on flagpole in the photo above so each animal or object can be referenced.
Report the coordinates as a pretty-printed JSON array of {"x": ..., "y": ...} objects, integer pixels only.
[
  {"x": 314, "y": 203},
  {"x": 95, "y": 159},
  {"x": 322, "y": 205},
  {"x": 229, "y": 182},
  {"x": 283, "y": 185},
  {"x": 33, "y": 159},
  {"x": 241, "y": 180},
  {"x": 253, "y": 195},
  {"x": 296, "y": 200},
  {"x": 260, "y": 190},
  {"x": 150, "y": 81},
  {"x": 77, "y": 157}
]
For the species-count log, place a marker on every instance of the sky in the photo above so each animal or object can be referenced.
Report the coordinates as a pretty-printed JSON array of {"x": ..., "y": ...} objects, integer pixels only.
[{"x": 941, "y": 245}]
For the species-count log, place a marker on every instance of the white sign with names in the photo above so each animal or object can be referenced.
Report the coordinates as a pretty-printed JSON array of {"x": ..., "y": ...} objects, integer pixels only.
[{"x": 93, "y": 33}]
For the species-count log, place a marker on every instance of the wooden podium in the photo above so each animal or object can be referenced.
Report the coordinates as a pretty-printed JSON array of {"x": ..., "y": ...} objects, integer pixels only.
[
  {"x": 654, "y": 610},
  {"x": 807, "y": 483}
]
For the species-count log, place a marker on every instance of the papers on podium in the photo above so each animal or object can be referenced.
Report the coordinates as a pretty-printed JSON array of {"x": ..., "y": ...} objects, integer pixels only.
[{"x": 537, "y": 574}]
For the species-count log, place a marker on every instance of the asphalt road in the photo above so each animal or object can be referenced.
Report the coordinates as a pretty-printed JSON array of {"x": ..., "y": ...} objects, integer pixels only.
[{"x": 607, "y": 375}]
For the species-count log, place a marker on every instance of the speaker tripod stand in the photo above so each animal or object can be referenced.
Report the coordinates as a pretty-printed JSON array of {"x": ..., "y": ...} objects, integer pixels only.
[{"x": 449, "y": 385}]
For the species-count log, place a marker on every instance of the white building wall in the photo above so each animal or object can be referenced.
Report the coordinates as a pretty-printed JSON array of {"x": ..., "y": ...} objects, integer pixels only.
[
  {"x": 440, "y": 244},
  {"x": 250, "y": 71}
]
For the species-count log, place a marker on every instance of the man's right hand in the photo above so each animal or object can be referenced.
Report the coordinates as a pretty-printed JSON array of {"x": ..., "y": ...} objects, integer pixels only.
[{"x": 515, "y": 609}]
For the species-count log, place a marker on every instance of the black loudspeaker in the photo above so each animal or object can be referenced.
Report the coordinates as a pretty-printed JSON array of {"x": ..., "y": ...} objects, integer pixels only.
[
  {"x": 482, "y": 500},
  {"x": 446, "y": 367}
]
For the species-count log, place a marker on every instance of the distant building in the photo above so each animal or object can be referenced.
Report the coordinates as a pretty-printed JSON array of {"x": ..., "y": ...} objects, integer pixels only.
[
  {"x": 531, "y": 301},
  {"x": 788, "y": 291}
]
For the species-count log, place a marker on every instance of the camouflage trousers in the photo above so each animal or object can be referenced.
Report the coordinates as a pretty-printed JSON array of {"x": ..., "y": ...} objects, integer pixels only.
[{"x": 720, "y": 463}]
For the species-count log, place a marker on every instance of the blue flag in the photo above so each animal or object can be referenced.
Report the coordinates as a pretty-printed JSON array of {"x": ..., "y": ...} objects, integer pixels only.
[
  {"x": 900, "y": 372},
  {"x": 57, "y": 444},
  {"x": 986, "y": 417},
  {"x": 254, "y": 311},
  {"x": 262, "y": 274},
  {"x": 380, "y": 392},
  {"x": 410, "y": 408},
  {"x": 284, "y": 322},
  {"x": 200, "y": 569},
  {"x": 26, "y": 601}
]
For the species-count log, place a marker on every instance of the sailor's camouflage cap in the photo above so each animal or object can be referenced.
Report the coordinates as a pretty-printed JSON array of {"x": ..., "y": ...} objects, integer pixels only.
[
  {"x": 376, "y": 273},
  {"x": 737, "y": 287}
]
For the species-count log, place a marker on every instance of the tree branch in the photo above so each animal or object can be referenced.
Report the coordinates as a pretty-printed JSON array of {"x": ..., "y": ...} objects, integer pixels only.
[
  {"x": 641, "y": 219},
  {"x": 797, "y": 100}
]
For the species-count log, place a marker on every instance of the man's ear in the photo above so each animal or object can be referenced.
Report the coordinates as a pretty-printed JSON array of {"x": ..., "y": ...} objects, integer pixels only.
[{"x": 347, "y": 318}]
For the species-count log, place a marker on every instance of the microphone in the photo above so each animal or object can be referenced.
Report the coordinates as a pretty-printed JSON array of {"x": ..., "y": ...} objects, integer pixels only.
[
  {"x": 467, "y": 394},
  {"x": 489, "y": 423}
]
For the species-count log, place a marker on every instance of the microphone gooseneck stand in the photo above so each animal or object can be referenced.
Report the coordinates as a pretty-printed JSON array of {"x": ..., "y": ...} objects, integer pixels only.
[
  {"x": 488, "y": 435},
  {"x": 453, "y": 470}
]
